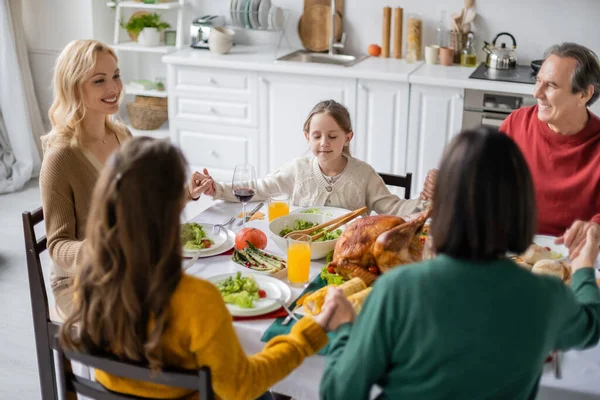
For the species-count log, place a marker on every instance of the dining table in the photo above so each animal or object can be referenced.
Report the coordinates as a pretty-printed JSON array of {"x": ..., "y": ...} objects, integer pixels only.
[{"x": 580, "y": 369}]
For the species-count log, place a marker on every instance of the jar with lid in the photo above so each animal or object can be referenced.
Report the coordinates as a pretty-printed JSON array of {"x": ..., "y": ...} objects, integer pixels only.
[
  {"x": 414, "y": 38},
  {"x": 468, "y": 56}
]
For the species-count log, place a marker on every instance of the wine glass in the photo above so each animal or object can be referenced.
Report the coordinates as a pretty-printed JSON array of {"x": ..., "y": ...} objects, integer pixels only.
[{"x": 244, "y": 185}]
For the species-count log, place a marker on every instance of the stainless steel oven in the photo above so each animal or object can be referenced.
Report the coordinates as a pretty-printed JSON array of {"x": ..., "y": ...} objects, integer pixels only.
[{"x": 491, "y": 108}]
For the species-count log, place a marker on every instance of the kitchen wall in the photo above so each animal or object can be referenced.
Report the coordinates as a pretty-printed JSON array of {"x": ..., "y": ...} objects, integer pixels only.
[{"x": 536, "y": 24}]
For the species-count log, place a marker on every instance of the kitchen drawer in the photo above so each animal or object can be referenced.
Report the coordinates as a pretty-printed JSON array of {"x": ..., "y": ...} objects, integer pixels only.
[
  {"x": 211, "y": 150},
  {"x": 218, "y": 82},
  {"x": 214, "y": 111}
]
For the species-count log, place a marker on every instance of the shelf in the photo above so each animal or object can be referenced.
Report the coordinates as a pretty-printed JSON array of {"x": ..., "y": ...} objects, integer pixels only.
[
  {"x": 134, "y": 46},
  {"x": 151, "y": 93},
  {"x": 138, "y": 4},
  {"x": 160, "y": 133}
]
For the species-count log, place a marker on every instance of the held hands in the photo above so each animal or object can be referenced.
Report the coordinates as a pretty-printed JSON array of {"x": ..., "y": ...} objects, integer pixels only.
[
  {"x": 429, "y": 185},
  {"x": 588, "y": 248},
  {"x": 575, "y": 237},
  {"x": 201, "y": 184},
  {"x": 336, "y": 310}
]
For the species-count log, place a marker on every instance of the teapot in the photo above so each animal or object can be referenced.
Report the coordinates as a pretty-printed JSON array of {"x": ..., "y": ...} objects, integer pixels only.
[{"x": 501, "y": 57}]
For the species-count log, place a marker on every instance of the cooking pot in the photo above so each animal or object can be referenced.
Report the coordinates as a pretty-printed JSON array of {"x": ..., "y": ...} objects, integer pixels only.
[{"x": 501, "y": 57}]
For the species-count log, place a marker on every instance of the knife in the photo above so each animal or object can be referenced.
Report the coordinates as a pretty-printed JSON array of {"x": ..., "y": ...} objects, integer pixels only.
[{"x": 251, "y": 213}]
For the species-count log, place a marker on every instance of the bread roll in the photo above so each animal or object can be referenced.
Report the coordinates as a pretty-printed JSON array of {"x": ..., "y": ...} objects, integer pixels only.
[
  {"x": 551, "y": 267},
  {"x": 535, "y": 253}
]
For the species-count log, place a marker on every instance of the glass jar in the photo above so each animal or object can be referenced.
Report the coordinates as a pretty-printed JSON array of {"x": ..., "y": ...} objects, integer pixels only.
[{"x": 414, "y": 38}]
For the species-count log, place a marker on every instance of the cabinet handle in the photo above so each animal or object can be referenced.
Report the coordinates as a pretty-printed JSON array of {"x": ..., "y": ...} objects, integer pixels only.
[
  {"x": 213, "y": 154},
  {"x": 212, "y": 81},
  {"x": 212, "y": 110},
  {"x": 459, "y": 96}
]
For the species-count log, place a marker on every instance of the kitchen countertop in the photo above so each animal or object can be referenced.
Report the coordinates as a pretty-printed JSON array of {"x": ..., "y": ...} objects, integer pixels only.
[{"x": 261, "y": 58}]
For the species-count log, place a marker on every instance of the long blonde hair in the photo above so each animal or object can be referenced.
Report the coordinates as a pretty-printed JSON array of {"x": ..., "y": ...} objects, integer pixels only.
[
  {"x": 335, "y": 110},
  {"x": 74, "y": 66},
  {"x": 132, "y": 254}
]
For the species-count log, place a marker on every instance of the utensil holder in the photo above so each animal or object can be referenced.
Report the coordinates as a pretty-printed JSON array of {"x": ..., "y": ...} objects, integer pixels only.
[{"x": 457, "y": 43}]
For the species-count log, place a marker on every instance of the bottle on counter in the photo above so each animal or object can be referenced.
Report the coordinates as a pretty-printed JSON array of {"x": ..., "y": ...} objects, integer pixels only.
[
  {"x": 468, "y": 57},
  {"x": 442, "y": 32}
]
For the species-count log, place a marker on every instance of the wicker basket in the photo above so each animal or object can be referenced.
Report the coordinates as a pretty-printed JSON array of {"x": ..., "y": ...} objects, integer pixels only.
[
  {"x": 457, "y": 42},
  {"x": 151, "y": 101},
  {"x": 146, "y": 117}
]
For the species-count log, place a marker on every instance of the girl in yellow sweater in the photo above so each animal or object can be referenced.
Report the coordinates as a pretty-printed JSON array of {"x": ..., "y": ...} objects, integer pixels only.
[{"x": 133, "y": 300}]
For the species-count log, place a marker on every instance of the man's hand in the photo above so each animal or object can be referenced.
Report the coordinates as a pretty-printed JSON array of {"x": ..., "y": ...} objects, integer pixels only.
[
  {"x": 590, "y": 247},
  {"x": 575, "y": 237},
  {"x": 429, "y": 185}
]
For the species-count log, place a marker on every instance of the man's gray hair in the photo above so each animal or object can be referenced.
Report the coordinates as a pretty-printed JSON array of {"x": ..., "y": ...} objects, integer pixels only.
[{"x": 587, "y": 70}]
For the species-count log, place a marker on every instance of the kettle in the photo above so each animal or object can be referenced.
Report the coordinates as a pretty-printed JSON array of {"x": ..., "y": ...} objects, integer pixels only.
[{"x": 501, "y": 57}]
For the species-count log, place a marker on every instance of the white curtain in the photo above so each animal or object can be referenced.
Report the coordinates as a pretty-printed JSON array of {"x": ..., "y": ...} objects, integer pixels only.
[{"x": 20, "y": 119}]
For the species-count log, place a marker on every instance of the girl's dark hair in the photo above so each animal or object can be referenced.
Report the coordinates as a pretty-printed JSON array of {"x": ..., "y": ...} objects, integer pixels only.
[
  {"x": 484, "y": 203},
  {"x": 132, "y": 258}
]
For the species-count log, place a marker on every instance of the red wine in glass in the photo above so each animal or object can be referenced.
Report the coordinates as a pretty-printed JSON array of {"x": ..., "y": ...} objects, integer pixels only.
[{"x": 244, "y": 195}]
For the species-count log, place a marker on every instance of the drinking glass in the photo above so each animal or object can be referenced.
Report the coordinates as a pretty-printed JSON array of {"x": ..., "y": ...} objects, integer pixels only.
[
  {"x": 279, "y": 205},
  {"x": 298, "y": 262},
  {"x": 244, "y": 185}
]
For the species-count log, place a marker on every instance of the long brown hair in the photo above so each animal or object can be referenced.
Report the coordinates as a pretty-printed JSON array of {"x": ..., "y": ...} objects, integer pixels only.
[
  {"x": 132, "y": 254},
  {"x": 336, "y": 111}
]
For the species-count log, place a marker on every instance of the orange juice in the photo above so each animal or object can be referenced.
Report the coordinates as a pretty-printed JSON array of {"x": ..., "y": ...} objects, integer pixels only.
[
  {"x": 298, "y": 263},
  {"x": 278, "y": 209}
]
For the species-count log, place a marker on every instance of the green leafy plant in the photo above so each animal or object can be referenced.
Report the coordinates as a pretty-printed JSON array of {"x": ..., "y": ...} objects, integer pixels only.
[{"x": 136, "y": 24}]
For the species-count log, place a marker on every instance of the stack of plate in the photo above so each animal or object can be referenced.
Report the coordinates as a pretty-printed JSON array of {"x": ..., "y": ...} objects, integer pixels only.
[
  {"x": 223, "y": 241},
  {"x": 256, "y": 14}
]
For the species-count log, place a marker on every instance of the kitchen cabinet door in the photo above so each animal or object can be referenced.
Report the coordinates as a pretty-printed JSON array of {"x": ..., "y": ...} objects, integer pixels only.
[
  {"x": 284, "y": 104},
  {"x": 381, "y": 127},
  {"x": 435, "y": 117}
]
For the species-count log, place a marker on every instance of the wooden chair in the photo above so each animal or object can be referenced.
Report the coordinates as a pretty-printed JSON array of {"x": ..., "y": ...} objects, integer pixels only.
[
  {"x": 44, "y": 329},
  {"x": 199, "y": 380},
  {"x": 399, "y": 181}
]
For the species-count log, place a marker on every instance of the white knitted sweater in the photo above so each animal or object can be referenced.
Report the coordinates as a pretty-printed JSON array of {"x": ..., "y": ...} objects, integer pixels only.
[{"x": 358, "y": 186}]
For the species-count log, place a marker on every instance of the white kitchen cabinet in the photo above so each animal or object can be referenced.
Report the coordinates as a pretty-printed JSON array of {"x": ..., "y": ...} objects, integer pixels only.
[
  {"x": 285, "y": 101},
  {"x": 381, "y": 126},
  {"x": 435, "y": 117}
]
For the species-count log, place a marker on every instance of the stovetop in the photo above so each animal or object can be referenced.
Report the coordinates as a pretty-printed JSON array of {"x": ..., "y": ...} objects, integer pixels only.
[{"x": 521, "y": 74}]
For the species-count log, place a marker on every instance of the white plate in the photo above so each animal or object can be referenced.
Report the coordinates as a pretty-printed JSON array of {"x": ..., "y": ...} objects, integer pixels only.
[
  {"x": 273, "y": 287},
  {"x": 226, "y": 245},
  {"x": 276, "y": 18},
  {"x": 254, "y": 4},
  {"x": 548, "y": 241},
  {"x": 233, "y": 11},
  {"x": 328, "y": 212},
  {"x": 263, "y": 13},
  {"x": 242, "y": 6}
]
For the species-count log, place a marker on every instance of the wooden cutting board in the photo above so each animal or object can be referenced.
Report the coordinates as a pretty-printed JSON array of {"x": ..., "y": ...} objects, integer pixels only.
[
  {"x": 339, "y": 5},
  {"x": 313, "y": 28}
]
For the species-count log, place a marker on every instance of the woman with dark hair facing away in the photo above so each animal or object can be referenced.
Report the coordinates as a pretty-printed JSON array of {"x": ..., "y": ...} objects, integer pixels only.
[
  {"x": 132, "y": 299},
  {"x": 470, "y": 323}
]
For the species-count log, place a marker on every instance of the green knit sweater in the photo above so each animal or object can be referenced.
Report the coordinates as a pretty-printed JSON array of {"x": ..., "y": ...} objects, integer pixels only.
[{"x": 452, "y": 329}]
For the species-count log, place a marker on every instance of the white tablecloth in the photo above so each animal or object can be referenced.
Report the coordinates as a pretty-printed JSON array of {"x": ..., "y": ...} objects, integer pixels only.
[{"x": 580, "y": 369}]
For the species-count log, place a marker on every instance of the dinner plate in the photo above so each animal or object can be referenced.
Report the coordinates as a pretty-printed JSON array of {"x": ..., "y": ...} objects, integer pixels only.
[
  {"x": 254, "y": 4},
  {"x": 226, "y": 242},
  {"x": 274, "y": 288},
  {"x": 233, "y": 12},
  {"x": 263, "y": 13},
  {"x": 548, "y": 241},
  {"x": 276, "y": 18},
  {"x": 242, "y": 6}
]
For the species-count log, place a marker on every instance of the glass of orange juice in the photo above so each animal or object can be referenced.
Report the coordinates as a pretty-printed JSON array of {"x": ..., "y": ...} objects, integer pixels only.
[
  {"x": 298, "y": 262},
  {"x": 279, "y": 205}
]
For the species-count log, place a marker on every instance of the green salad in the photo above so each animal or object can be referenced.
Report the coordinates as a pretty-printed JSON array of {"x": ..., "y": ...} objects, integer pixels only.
[
  {"x": 315, "y": 211},
  {"x": 193, "y": 237},
  {"x": 238, "y": 290},
  {"x": 301, "y": 224}
]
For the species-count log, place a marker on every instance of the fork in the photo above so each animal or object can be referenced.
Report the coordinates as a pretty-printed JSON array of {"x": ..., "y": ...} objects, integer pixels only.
[
  {"x": 282, "y": 304},
  {"x": 556, "y": 365},
  {"x": 217, "y": 227}
]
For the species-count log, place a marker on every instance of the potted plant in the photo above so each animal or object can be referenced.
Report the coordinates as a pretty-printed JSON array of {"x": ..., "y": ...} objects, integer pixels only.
[{"x": 145, "y": 28}]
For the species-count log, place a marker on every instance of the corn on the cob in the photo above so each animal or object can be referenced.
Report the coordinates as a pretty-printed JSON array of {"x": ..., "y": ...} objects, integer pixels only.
[
  {"x": 314, "y": 302},
  {"x": 357, "y": 299}
]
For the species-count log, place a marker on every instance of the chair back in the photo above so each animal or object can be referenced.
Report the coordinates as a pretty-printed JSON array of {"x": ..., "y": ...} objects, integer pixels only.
[
  {"x": 199, "y": 380},
  {"x": 44, "y": 329},
  {"x": 399, "y": 181}
]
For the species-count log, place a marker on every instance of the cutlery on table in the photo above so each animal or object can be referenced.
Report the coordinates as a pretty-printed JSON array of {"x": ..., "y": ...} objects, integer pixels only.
[
  {"x": 192, "y": 261},
  {"x": 556, "y": 364},
  {"x": 299, "y": 303},
  {"x": 282, "y": 304},
  {"x": 217, "y": 228},
  {"x": 250, "y": 214}
]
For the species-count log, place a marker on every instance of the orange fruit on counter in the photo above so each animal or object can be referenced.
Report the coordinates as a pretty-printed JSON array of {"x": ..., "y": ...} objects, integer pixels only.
[
  {"x": 252, "y": 235},
  {"x": 374, "y": 50}
]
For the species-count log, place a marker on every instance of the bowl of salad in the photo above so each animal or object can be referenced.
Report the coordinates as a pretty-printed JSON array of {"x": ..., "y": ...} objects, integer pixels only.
[{"x": 281, "y": 226}]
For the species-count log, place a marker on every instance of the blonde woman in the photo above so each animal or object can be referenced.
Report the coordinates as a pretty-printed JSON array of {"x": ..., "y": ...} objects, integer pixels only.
[{"x": 87, "y": 91}]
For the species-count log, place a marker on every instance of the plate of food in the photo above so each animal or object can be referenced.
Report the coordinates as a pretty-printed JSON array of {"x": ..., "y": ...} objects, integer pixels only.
[
  {"x": 197, "y": 237},
  {"x": 260, "y": 261},
  {"x": 248, "y": 295}
]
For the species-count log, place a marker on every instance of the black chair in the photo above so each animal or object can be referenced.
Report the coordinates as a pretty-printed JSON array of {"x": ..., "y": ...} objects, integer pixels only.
[
  {"x": 399, "y": 181},
  {"x": 199, "y": 380},
  {"x": 44, "y": 329}
]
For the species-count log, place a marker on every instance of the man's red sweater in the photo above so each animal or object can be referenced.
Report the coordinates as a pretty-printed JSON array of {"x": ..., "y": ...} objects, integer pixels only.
[{"x": 565, "y": 169}]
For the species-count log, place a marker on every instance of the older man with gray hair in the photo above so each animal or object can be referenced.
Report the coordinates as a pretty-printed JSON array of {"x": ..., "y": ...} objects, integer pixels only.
[{"x": 560, "y": 139}]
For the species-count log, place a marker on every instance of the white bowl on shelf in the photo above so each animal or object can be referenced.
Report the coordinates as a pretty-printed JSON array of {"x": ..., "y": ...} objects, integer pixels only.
[
  {"x": 318, "y": 249},
  {"x": 220, "y": 39}
]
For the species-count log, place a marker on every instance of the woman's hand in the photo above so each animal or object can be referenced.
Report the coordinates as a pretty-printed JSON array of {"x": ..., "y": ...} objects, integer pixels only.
[
  {"x": 336, "y": 310},
  {"x": 575, "y": 237},
  {"x": 590, "y": 247},
  {"x": 200, "y": 184},
  {"x": 429, "y": 185},
  {"x": 211, "y": 187}
]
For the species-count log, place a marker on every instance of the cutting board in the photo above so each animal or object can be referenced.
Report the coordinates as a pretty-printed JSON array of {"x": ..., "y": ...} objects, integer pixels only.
[{"x": 339, "y": 5}]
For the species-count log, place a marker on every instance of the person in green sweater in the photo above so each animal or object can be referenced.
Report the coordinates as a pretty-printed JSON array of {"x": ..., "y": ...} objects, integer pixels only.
[{"x": 470, "y": 323}]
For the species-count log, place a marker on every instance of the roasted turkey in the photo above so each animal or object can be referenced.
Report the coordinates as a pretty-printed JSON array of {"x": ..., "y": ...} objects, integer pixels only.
[{"x": 381, "y": 241}]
